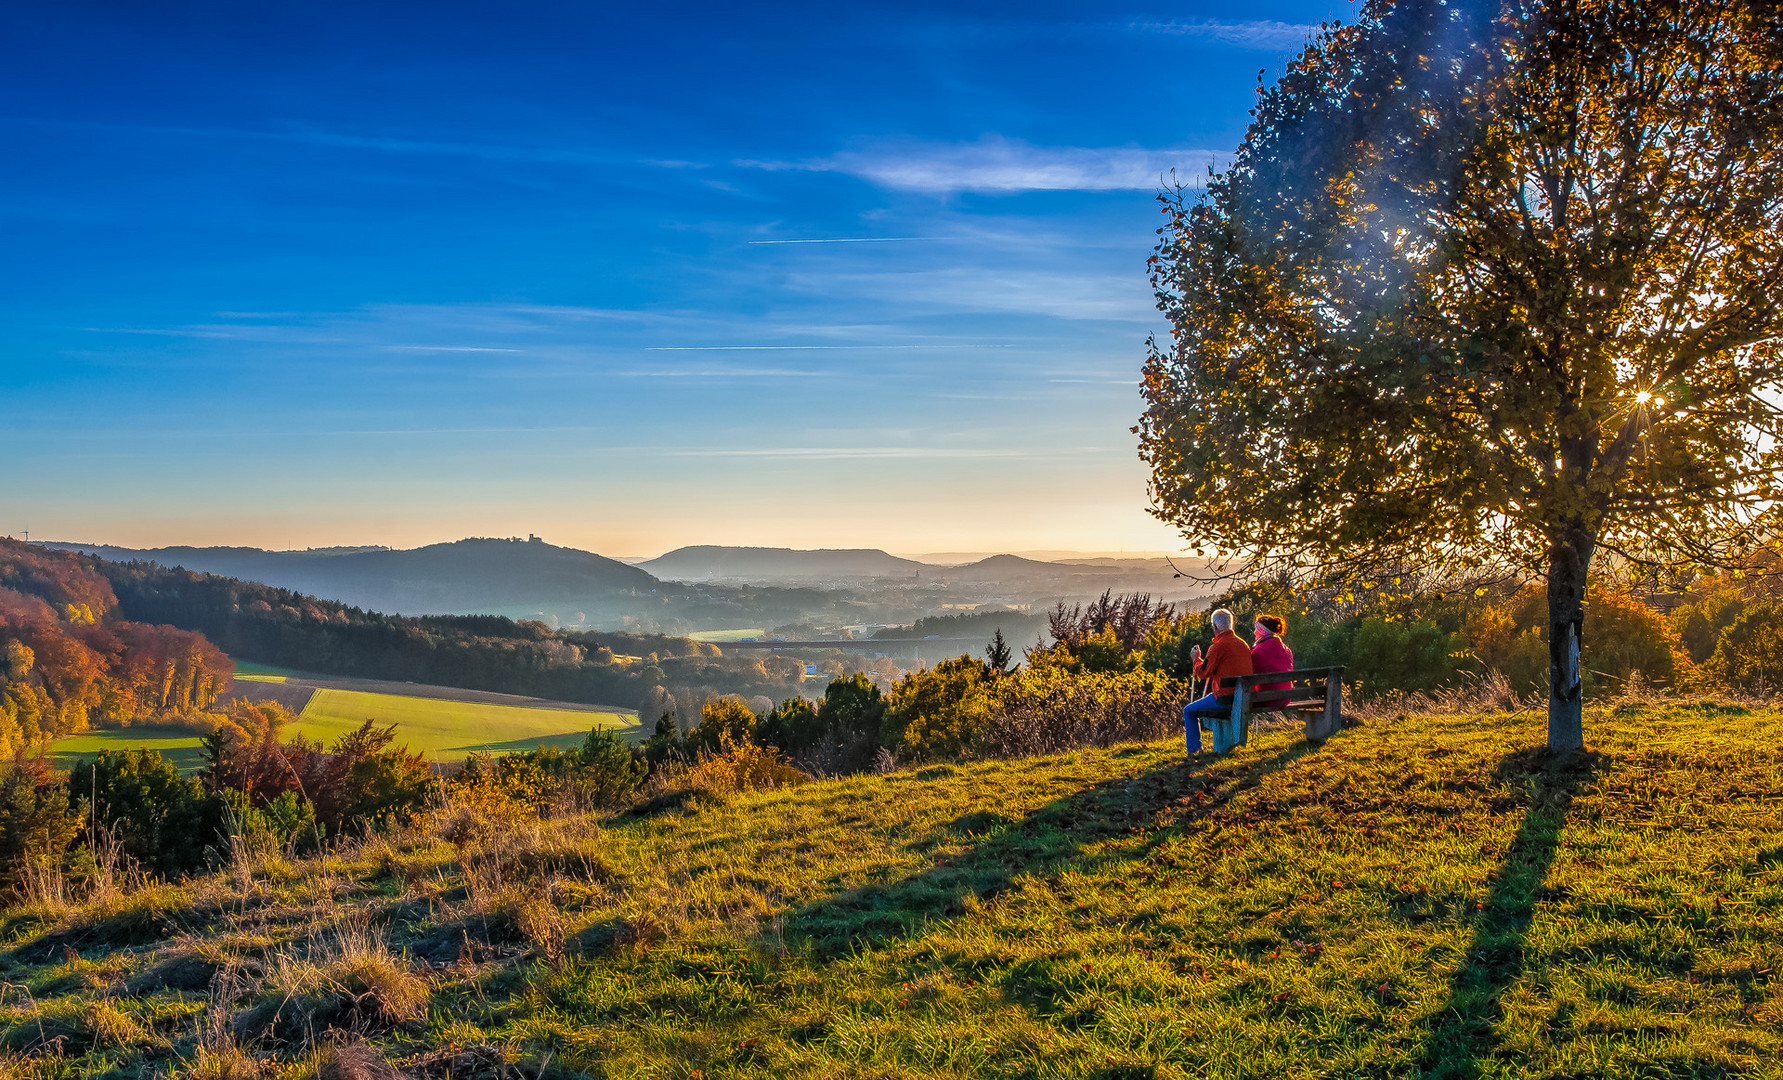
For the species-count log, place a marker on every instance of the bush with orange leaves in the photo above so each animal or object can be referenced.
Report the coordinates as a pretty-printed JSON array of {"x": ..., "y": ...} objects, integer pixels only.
[{"x": 738, "y": 767}]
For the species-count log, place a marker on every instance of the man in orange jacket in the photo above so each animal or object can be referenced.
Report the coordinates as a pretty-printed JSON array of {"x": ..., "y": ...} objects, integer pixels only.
[{"x": 1227, "y": 656}]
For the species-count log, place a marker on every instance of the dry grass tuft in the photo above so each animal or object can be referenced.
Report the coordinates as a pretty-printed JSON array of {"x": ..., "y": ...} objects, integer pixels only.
[
  {"x": 524, "y": 913},
  {"x": 218, "y": 1056},
  {"x": 224, "y": 1060},
  {"x": 112, "y": 1026},
  {"x": 477, "y": 813},
  {"x": 350, "y": 980},
  {"x": 355, "y": 1060}
]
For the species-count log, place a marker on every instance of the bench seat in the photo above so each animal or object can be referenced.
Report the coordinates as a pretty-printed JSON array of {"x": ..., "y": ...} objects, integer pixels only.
[{"x": 1315, "y": 693}]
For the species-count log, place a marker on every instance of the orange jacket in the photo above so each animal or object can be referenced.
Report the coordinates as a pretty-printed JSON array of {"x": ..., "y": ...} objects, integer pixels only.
[{"x": 1227, "y": 656}]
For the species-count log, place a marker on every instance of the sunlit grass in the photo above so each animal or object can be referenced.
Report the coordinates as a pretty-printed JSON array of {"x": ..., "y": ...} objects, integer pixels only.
[
  {"x": 450, "y": 730},
  {"x": 441, "y": 729},
  {"x": 1419, "y": 897},
  {"x": 727, "y": 635}
]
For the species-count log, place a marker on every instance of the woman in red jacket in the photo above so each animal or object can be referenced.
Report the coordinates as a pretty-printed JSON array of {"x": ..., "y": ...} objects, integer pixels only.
[{"x": 1270, "y": 654}]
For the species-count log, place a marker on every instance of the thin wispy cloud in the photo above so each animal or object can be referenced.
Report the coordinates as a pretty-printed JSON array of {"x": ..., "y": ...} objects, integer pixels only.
[
  {"x": 1255, "y": 34},
  {"x": 378, "y": 142},
  {"x": 808, "y": 348},
  {"x": 852, "y": 240},
  {"x": 723, "y": 373},
  {"x": 1053, "y": 293},
  {"x": 449, "y": 348},
  {"x": 849, "y": 453},
  {"x": 997, "y": 165},
  {"x": 160, "y": 331}
]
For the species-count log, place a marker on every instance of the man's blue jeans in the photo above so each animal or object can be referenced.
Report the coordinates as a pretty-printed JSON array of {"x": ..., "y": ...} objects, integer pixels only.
[{"x": 1191, "y": 724}]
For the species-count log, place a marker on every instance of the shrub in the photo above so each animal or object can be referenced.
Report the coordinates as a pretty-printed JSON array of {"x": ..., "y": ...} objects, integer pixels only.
[
  {"x": 792, "y": 726},
  {"x": 607, "y": 773},
  {"x": 601, "y": 774},
  {"x": 1623, "y": 635},
  {"x": 841, "y": 733},
  {"x": 36, "y": 824},
  {"x": 723, "y": 720},
  {"x": 1046, "y": 708},
  {"x": 1406, "y": 655},
  {"x": 742, "y": 767},
  {"x": 285, "y": 824},
  {"x": 1103, "y": 654},
  {"x": 363, "y": 781},
  {"x": 164, "y": 822},
  {"x": 852, "y": 719},
  {"x": 665, "y": 740},
  {"x": 479, "y": 804},
  {"x": 1698, "y": 625},
  {"x": 942, "y": 712},
  {"x": 244, "y": 752},
  {"x": 1499, "y": 644},
  {"x": 1749, "y": 654}
]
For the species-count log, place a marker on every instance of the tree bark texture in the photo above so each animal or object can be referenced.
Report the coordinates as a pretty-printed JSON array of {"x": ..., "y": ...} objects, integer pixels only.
[{"x": 1569, "y": 560}]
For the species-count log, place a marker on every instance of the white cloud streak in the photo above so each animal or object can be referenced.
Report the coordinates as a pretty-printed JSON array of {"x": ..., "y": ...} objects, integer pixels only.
[
  {"x": 860, "y": 453},
  {"x": 997, "y": 165},
  {"x": 807, "y": 348},
  {"x": 853, "y": 240},
  {"x": 1257, "y": 34},
  {"x": 448, "y": 348}
]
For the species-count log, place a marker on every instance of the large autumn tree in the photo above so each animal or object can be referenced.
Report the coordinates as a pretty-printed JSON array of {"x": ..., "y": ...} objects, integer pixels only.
[{"x": 1488, "y": 286}]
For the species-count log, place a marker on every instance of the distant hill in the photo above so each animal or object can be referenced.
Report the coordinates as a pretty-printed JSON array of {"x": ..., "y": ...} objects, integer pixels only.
[
  {"x": 1007, "y": 567},
  {"x": 708, "y": 562},
  {"x": 465, "y": 576}
]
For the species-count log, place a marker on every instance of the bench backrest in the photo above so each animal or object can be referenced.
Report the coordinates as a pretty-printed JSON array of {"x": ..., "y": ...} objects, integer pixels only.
[{"x": 1298, "y": 675}]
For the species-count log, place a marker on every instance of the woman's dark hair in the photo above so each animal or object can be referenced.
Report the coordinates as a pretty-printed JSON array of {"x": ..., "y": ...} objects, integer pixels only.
[{"x": 1272, "y": 623}]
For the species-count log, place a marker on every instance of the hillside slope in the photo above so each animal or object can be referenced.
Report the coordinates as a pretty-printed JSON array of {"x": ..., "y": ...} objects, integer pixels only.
[
  {"x": 1416, "y": 897},
  {"x": 455, "y": 578},
  {"x": 708, "y": 562}
]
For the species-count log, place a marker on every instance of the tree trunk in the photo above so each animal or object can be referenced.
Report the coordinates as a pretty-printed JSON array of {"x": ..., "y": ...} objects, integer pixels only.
[{"x": 1569, "y": 559}]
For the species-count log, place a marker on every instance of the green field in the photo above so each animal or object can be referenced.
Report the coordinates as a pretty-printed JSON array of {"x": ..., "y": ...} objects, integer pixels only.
[
  {"x": 442, "y": 730},
  {"x": 449, "y": 730},
  {"x": 177, "y": 744},
  {"x": 250, "y": 670},
  {"x": 727, "y": 635}
]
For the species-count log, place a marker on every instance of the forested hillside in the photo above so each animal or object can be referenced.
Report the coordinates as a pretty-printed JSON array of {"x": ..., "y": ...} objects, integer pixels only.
[
  {"x": 467, "y": 575},
  {"x": 481, "y": 652},
  {"x": 706, "y": 562},
  {"x": 70, "y": 660}
]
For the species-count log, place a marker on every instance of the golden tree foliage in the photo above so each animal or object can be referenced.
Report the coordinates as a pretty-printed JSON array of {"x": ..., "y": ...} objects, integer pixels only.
[{"x": 1489, "y": 287}]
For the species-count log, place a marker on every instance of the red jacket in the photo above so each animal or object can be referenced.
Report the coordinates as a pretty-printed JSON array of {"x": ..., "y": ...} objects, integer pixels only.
[
  {"x": 1272, "y": 654},
  {"x": 1227, "y": 656}
]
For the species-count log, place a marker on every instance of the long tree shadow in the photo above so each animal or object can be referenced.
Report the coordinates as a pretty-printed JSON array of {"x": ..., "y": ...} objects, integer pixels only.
[
  {"x": 1042, "y": 843},
  {"x": 1464, "y": 1033}
]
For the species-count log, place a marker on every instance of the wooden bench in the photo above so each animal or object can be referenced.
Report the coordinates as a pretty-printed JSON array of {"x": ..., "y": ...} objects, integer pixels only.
[{"x": 1315, "y": 693}]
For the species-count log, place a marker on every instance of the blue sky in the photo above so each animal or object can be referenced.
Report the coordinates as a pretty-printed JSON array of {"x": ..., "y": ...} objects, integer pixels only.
[{"x": 625, "y": 276}]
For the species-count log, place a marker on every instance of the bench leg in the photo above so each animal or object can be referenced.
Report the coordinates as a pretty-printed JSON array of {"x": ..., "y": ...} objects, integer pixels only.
[
  {"x": 1233, "y": 730},
  {"x": 1322, "y": 725}
]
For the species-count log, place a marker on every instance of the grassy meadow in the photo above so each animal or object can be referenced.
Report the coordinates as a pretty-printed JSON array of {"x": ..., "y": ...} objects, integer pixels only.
[
  {"x": 1418, "y": 897},
  {"x": 722, "y": 636},
  {"x": 449, "y": 730},
  {"x": 438, "y": 727}
]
